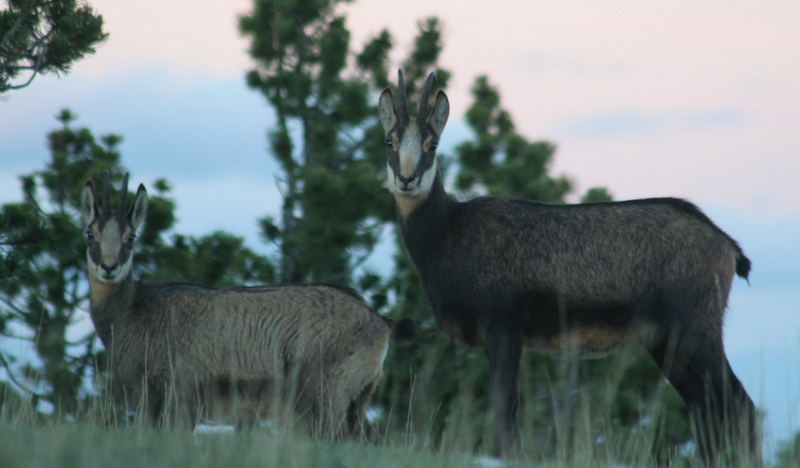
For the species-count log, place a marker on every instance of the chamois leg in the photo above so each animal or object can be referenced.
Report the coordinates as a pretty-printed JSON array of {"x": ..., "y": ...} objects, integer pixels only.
[
  {"x": 504, "y": 349},
  {"x": 333, "y": 415},
  {"x": 153, "y": 406},
  {"x": 357, "y": 424},
  {"x": 181, "y": 415},
  {"x": 179, "y": 408},
  {"x": 322, "y": 405},
  {"x": 722, "y": 412}
]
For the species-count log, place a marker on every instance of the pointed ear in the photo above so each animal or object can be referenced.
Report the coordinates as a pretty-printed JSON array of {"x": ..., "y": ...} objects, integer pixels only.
[
  {"x": 386, "y": 111},
  {"x": 441, "y": 110},
  {"x": 139, "y": 209},
  {"x": 88, "y": 204}
]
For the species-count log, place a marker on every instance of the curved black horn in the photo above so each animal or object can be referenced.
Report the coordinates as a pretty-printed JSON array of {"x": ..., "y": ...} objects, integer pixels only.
[
  {"x": 123, "y": 198},
  {"x": 422, "y": 115},
  {"x": 106, "y": 194},
  {"x": 402, "y": 102}
]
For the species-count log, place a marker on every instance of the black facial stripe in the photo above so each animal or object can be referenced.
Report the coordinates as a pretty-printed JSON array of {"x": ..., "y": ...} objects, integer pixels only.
[
  {"x": 425, "y": 163},
  {"x": 398, "y": 131},
  {"x": 392, "y": 154},
  {"x": 94, "y": 251},
  {"x": 394, "y": 161},
  {"x": 124, "y": 253}
]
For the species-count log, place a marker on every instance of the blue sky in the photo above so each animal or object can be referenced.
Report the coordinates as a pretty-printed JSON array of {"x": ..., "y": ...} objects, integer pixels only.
[{"x": 673, "y": 102}]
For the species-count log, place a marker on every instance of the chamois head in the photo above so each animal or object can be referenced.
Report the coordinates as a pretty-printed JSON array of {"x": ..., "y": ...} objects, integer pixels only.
[
  {"x": 111, "y": 230},
  {"x": 411, "y": 141}
]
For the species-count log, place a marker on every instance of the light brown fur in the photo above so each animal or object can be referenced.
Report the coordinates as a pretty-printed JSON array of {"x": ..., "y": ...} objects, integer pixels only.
[
  {"x": 588, "y": 341},
  {"x": 313, "y": 348},
  {"x": 183, "y": 352},
  {"x": 99, "y": 291}
]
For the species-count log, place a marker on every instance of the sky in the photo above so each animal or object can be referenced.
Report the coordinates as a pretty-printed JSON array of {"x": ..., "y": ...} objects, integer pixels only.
[{"x": 698, "y": 100}]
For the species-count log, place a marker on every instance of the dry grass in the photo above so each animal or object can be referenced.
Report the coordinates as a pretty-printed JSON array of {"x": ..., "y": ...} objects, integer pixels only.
[{"x": 98, "y": 438}]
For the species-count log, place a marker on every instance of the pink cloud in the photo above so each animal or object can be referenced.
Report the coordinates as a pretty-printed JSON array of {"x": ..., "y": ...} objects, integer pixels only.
[{"x": 184, "y": 35}]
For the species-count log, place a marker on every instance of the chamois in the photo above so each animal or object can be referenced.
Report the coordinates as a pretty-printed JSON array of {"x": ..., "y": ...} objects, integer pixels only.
[
  {"x": 186, "y": 350},
  {"x": 503, "y": 274}
]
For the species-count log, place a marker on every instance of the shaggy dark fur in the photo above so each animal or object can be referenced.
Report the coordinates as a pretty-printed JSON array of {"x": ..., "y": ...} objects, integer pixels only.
[{"x": 503, "y": 273}]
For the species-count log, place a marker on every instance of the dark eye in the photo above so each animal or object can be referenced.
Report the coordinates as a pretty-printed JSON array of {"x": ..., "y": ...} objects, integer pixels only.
[
  {"x": 433, "y": 146},
  {"x": 89, "y": 234},
  {"x": 131, "y": 238},
  {"x": 389, "y": 143}
]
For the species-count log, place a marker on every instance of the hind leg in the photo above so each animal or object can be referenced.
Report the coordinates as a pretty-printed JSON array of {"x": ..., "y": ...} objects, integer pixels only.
[
  {"x": 357, "y": 424},
  {"x": 325, "y": 413},
  {"x": 147, "y": 400},
  {"x": 315, "y": 402},
  {"x": 723, "y": 414},
  {"x": 358, "y": 379}
]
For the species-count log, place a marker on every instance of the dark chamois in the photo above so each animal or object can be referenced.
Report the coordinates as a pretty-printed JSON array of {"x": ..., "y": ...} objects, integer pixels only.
[
  {"x": 227, "y": 354},
  {"x": 502, "y": 274}
]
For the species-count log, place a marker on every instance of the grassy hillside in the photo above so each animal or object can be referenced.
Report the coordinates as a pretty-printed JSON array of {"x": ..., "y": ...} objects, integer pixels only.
[
  {"x": 86, "y": 446},
  {"x": 30, "y": 439}
]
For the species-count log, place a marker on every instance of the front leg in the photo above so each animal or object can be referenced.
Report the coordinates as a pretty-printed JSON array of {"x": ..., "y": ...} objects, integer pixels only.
[{"x": 504, "y": 347}]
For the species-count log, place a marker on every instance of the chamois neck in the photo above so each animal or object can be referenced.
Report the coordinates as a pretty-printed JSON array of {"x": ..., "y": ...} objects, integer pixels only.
[
  {"x": 109, "y": 302},
  {"x": 424, "y": 226},
  {"x": 100, "y": 292}
]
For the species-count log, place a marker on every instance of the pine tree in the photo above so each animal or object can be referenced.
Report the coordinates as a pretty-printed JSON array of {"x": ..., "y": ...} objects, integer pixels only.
[
  {"x": 499, "y": 160},
  {"x": 44, "y": 36}
]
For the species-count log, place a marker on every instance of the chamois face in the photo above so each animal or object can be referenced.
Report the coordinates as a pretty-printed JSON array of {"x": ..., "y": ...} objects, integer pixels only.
[
  {"x": 411, "y": 142},
  {"x": 111, "y": 231}
]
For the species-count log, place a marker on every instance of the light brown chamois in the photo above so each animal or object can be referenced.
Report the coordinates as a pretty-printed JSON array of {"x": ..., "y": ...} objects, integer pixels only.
[
  {"x": 502, "y": 274},
  {"x": 181, "y": 353}
]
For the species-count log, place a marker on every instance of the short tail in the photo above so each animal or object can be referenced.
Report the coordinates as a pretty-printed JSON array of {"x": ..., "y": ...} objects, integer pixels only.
[
  {"x": 402, "y": 329},
  {"x": 742, "y": 265}
]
